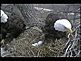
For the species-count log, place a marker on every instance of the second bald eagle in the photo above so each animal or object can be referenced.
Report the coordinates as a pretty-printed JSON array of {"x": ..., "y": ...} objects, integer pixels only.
[{"x": 57, "y": 26}]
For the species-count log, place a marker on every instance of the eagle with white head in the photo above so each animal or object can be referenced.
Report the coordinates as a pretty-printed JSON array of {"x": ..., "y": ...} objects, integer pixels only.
[{"x": 57, "y": 26}]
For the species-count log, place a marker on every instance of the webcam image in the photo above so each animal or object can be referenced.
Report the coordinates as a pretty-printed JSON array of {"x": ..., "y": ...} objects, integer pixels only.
[{"x": 40, "y": 30}]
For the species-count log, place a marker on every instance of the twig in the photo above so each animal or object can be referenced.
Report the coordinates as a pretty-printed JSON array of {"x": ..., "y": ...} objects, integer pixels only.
[
  {"x": 67, "y": 50},
  {"x": 31, "y": 51},
  {"x": 67, "y": 43}
]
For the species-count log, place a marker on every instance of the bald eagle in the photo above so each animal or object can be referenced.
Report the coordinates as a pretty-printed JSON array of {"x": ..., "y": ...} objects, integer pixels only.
[
  {"x": 3, "y": 21},
  {"x": 57, "y": 26},
  {"x": 11, "y": 26}
]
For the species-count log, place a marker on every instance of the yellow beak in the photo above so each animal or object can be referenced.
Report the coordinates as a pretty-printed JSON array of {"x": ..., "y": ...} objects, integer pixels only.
[{"x": 70, "y": 31}]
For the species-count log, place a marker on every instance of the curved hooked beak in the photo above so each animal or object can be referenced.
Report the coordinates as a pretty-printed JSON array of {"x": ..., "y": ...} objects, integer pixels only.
[{"x": 70, "y": 31}]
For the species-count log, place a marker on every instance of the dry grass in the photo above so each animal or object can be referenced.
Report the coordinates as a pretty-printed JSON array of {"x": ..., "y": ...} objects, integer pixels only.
[{"x": 22, "y": 46}]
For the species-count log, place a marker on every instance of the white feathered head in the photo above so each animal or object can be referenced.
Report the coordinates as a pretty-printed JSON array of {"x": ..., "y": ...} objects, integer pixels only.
[
  {"x": 63, "y": 25},
  {"x": 4, "y": 17}
]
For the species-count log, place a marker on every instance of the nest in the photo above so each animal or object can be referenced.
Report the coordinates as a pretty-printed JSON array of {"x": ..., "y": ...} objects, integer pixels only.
[
  {"x": 63, "y": 47},
  {"x": 22, "y": 46}
]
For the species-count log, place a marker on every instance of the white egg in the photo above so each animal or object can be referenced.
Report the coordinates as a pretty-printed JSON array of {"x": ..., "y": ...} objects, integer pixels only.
[
  {"x": 40, "y": 42},
  {"x": 37, "y": 44}
]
